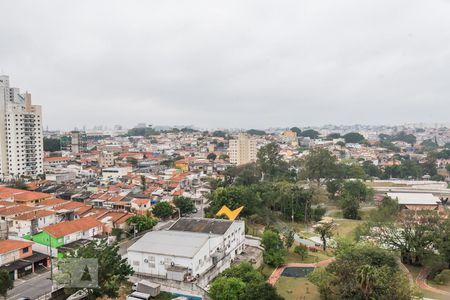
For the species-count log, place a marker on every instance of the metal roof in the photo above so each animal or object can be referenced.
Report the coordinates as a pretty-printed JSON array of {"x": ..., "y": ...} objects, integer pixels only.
[
  {"x": 170, "y": 243},
  {"x": 202, "y": 225},
  {"x": 415, "y": 198}
]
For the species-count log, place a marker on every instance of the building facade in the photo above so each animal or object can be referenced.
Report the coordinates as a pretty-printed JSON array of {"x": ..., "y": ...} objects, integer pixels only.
[
  {"x": 242, "y": 150},
  {"x": 21, "y": 138}
]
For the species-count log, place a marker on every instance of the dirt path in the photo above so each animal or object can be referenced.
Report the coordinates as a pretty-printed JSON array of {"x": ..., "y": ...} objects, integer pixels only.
[
  {"x": 421, "y": 282},
  {"x": 276, "y": 274}
]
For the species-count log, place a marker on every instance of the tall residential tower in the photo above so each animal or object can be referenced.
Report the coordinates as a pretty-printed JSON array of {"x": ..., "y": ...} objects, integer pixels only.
[
  {"x": 21, "y": 139},
  {"x": 242, "y": 150}
]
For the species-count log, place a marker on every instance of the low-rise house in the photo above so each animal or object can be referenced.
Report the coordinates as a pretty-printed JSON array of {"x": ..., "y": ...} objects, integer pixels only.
[
  {"x": 63, "y": 233},
  {"x": 416, "y": 201},
  {"x": 32, "y": 222},
  {"x": 22, "y": 196},
  {"x": 18, "y": 258}
]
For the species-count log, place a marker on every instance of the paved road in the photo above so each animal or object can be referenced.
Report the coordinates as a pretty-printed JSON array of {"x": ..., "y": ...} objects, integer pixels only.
[{"x": 34, "y": 287}]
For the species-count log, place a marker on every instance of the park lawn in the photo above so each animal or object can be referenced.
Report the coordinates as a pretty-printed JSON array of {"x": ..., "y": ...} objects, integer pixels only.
[
  {"x": 312, "y": 257},
  {"x": 346, "y": 228},
  {"x": 296, "y": 288},
  {"x": 254, "y": 229},
  {"x": 384, "y": 184}
]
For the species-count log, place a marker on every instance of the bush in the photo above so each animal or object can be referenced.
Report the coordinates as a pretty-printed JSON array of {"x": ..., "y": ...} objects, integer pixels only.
[
  {"x": 318, "y": 212},
  {"x": 443, "y": 277},
  {"x": 301, "y": 250}
]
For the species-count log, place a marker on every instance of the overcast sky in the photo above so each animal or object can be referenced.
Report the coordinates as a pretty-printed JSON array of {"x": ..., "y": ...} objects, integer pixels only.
[{"x": 230, "y": 63}]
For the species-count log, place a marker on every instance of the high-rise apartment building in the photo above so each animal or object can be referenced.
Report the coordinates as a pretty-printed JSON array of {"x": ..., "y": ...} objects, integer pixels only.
[
  {"x": 242, "y": 150},
  {"x": 21, "y": 139}
]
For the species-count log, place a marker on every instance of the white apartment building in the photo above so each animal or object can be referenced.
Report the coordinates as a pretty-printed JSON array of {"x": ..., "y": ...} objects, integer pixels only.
[
  {"x": 242, "y": 150},
  {"x": 21, "y": 138}
]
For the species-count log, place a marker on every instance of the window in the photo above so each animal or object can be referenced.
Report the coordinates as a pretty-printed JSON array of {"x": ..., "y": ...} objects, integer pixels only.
[{"x": 26, "y": 249}]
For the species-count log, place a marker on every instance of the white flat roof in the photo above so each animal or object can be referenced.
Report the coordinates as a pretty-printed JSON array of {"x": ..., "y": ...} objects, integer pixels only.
[
  {"x": 171, "y": 243},
  {"x": 415, "y": 198}
]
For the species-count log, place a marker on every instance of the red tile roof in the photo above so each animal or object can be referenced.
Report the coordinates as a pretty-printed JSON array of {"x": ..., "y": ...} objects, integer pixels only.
[
  {"x": 68, "y": 227},
  {"x": 16, "y": 210},
  {"x": 22, "y": 195},
  {"x": 11, "y": 245},
  {"x": 35, "y": 214}
]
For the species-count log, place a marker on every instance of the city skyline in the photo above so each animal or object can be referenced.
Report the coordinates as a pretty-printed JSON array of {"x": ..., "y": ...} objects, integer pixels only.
[{"x": 229, "y": 64}]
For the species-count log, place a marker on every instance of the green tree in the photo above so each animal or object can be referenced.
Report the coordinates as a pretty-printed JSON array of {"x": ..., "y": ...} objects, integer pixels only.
[
  {"x": 132, "y": 161},
  {"x": 162, "y": 210},
  {"x": 245, "y": 272},
  {"x": 296, "y": 130},
  {"x": 274, "y": 254},
  {"x": 413, "y": 234},
  {"x": 354, "y": 137},
  {"x": 350, "y": 207},
  {"x": 333, "y": 136},
  {"x": 301, "y": 250},
  {"x": 143, "y": 183},
  {"x": 325, "y": 231},
  {"x": 256, "y": 132},
  {"x": 227, "y": 288},
  {"x": 141, "y": 223},
  {"x": 311, "y": 133},
  {"x": 270, "y": 162},
  {"x": 185, "y": 204},
  {"x": 319, "y": 164},
  {"x": 52, "y": 145},
  {"x": 289, "y": 238},
  {"x": 211, "y": 156},
  {"x": 260, "y": 291},
  {"x": 6, "y": 283},
  {"x": 362, "y": 271},
  {"x": 113, "y": 270}
]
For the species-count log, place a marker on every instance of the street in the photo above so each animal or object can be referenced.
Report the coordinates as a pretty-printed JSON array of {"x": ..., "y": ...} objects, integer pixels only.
[{"x": 33, "y": 287}]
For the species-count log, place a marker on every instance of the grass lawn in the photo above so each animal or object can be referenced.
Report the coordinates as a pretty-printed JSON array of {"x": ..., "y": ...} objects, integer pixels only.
[
  {"x": 312, "y": 257},
  {"x": 346, "y": 228},
  {"x": 296, "y": 288}
]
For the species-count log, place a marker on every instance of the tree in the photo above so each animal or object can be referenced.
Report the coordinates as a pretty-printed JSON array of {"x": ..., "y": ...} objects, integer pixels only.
[
  {"x": 260, "y": 291},
  {"x": 185, "y": 204},
  {"x": 133, "y": 161},
  {"x": 333, "y": 136},
  {"x": 350, "y": 207},
  {"x": 296, "y": 130},
  {"x": 211, "y": 156},
  {"x": 162, "y": 210},
  {"x": 6, "y": 282},
  {"x": 143, "y": 182},
  {"x": 274, "y": 254},
  {"x": 362, "y": 271},
  {"x": 141, "y": 223},
  {"x": 354, "y": 138},
  {"x": 245, "y": 272},
  {"x": 227, "y": 288},
  {"x": 254, "y": 286},
  {"x": 312, "y": 134},
  {"x": 289, "y": 238},
  {"x": 319, "y": 163},
  {"x": 270, "y": 161},
  {"x": 113, "y": 270},
  {"x": 413, "y": 234},
  {"x": 301, "y": 250},
  {"x": 256, "y": 132},
  {"x": 325, "y": 230},
  {"x": 219, "y": 133},
  {"x": 52, "y": 145},
  {"x": 242, "y": 175}
]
